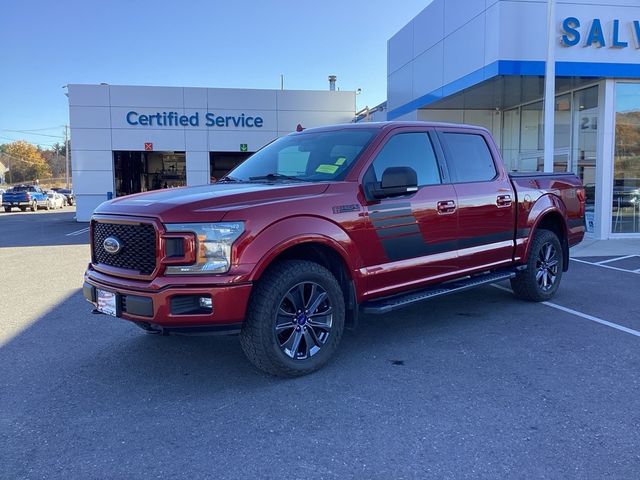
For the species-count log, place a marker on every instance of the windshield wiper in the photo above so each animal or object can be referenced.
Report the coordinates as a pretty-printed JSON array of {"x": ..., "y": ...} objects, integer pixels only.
[
  {"x": 229, "y": 179},
  {"x": 277, "y": 176}
]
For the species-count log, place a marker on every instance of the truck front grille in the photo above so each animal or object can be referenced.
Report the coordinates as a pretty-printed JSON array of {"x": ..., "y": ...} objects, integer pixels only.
[{"x": 137, "y": 246}]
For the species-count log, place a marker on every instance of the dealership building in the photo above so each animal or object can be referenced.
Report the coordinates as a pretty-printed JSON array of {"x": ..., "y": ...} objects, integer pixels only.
[
  {"x": 129, "y": 139},
  {"x": 483, "y": 62},
  {"x": 465, "y": 61}
]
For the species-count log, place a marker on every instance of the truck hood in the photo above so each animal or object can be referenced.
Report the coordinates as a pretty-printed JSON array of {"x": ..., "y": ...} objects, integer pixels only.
[{"x": 207, "y": 203}]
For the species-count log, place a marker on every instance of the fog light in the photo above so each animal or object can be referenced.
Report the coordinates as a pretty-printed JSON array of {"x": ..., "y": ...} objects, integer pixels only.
[{"x": 206, "y": 302}]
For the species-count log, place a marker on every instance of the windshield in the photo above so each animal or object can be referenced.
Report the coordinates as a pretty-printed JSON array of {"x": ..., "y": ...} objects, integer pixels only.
[{"x": 311, "y": 157}]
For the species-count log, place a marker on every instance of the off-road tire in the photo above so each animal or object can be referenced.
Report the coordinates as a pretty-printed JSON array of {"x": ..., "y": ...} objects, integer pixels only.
[
  {"x": 258, "y": 336},
  {"x": 525, "y": 284}
]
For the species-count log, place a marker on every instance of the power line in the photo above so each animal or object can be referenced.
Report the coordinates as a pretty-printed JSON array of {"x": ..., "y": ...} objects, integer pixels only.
[
  {"x": 30, "y": 132},
  {"x": 31, "y": 143},
  {"x": 34, "y": 129}
]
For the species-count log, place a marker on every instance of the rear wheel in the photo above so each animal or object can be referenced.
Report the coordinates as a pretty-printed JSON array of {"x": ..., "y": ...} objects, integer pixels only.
[
  {"x": 295, "y": 319},
  {"x": 23, "y": 209},
  {"x": 7, "y": 209},
  {"x": 48, "y": 206},
  {"x": 541, "y": 279}
]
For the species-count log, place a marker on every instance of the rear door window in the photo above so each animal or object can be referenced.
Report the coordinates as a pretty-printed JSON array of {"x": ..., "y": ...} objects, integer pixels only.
[{"x": 468, "y": 157}]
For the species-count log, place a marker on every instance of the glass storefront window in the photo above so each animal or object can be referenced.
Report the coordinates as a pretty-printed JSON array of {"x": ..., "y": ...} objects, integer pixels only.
[
  {"x": 531, "y": 138},
  {"x": 511, "y": 138},
  {"x": 523, "y": 142},
  {"x": 585, "y": 141},
  {"x": 562, "y": 134},
  {"x": 626, "y": 166}
]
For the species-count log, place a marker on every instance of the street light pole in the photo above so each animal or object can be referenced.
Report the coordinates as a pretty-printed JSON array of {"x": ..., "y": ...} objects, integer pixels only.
[{"x": 550, "y": 88}]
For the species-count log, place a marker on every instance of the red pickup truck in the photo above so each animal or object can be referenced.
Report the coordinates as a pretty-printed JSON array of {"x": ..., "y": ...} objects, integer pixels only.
[{"x": 324, "y": 224}]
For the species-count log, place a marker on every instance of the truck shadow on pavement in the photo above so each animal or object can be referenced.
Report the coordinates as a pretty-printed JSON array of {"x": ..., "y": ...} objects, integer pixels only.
[
  {"x": 99, "y": 356},
  {"x": 90, "y": 396},
  {"x": 44, "y": 228}
]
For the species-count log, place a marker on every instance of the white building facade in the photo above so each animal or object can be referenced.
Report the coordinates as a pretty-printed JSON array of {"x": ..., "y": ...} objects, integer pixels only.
[
  {"x": 483, "y": 62},
  {"x": 129, "y": 139}
]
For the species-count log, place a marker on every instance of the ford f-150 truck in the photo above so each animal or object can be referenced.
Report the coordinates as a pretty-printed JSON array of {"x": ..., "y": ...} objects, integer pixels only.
[
  {"x": 325, "y": 224},
  {"x": 23, "y": 197}
]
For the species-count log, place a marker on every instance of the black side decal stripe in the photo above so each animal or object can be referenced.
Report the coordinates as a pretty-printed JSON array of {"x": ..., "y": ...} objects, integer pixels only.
[
  {"x": 392, "y": 206},
  {"x": 390, "y": 214},
  {"x": 400, "y": 230},
  {"x": 392, "y": 222},
  {"x": 484, "y": 239},
  {"x": 411, "y": 246}
]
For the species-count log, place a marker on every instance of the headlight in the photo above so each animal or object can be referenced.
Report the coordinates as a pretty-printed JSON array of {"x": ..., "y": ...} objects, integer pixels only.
[{"x": 213, "y": 246}]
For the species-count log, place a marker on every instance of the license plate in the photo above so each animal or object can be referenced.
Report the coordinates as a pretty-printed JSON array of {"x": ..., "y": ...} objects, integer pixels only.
[{"x": 106, "y": 302}]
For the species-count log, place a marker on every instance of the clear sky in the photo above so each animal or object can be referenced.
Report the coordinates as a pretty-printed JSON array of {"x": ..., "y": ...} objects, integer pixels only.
[{"x": 46, "y": 44}]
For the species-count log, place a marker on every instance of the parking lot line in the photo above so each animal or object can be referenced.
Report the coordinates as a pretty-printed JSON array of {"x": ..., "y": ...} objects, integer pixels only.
[
  {"x": 78, "y": 232},
  {"x": 606, "y": 266},
  {"x": 582, "y": 315},
  {"x": 615, "y": 259}
]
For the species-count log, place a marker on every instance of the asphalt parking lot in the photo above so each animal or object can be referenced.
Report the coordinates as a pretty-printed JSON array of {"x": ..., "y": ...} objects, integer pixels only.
[{"x": 477, "y": 385}]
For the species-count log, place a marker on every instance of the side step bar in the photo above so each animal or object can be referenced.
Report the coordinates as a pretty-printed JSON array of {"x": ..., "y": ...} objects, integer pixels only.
[{"x": 388, "y": 304}]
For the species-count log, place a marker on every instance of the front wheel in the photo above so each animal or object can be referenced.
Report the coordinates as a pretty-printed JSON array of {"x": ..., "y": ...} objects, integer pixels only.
[
  {"x": 7, "y": 209},
  {"x": 295, "y": 319},
  {"x": 541, "y": 279}
]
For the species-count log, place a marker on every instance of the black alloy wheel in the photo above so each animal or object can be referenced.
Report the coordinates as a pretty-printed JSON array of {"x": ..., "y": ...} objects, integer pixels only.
[
  {"x": 295, "y": 319},
  {"x": 547, "y": 266},
  {"x": 540, "y": 280},
  {"x": 303, "y": 321}
]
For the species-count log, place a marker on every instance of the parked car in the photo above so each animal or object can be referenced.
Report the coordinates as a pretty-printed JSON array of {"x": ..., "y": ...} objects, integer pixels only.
[
  {"x": 321, "y": 225},
  {"x": 23, "y": 197},
  {"x": 626, "y": 192},
  {"x": 56, "y": 200},
  {"x": 70, "y": 198}
]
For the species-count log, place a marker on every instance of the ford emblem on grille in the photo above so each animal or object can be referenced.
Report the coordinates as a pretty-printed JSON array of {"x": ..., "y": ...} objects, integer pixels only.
[{"x": 112, "y": 245}]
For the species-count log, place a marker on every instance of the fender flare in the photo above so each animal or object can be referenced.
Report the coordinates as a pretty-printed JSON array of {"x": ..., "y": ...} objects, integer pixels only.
[
  {"x": 272, "y": 241},
  {"x": 546, "y": 204}
]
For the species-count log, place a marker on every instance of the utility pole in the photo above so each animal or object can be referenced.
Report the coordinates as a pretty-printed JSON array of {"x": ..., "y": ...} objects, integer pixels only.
[
  {"x": 66, "y": 154},
  {"x": 57, "y": 164}
]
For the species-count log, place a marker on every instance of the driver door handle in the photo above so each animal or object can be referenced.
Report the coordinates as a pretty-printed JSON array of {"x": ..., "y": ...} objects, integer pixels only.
[
  {"x": 503, "y": 201},
  {"x": 446, "y": 207}
]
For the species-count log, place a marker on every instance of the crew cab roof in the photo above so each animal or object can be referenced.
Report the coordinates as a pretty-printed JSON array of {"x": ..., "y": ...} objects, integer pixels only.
[{"x": 389, "y": 125}]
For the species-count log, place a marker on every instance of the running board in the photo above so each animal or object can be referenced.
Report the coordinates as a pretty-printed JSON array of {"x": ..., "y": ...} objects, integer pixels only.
[{"x": 386, "y": 305}]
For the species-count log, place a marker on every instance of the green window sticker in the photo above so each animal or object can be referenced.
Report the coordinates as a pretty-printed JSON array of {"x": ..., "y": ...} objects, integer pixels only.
[
  {"x": 341, "y": 160},
  {"x": 327, "y": 169}
]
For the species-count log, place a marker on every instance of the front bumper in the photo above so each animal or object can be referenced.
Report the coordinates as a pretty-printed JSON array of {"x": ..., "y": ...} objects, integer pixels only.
[{"x": 152, "y": 309}]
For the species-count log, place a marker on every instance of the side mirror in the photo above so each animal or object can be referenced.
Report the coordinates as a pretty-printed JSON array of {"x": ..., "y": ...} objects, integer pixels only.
[{"x": 395, "y": 181}]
